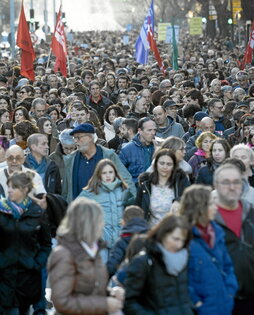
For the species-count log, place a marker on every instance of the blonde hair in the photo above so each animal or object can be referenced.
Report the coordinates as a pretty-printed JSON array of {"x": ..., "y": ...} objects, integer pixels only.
[
  {"x": 83, "y": 221},
  {"x": 201, "y": 138},
  {"x": 243, "y": 147}
]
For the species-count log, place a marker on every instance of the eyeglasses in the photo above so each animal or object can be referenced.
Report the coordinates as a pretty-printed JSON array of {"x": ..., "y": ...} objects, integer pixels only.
[
  {"x": 78, "y": 138},
  {"x": 17, "y": 158},
  {"x": 228, "y": 183}
]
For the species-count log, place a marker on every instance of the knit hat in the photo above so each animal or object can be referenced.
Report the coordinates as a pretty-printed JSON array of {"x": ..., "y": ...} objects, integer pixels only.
[{"x": 66, "y": 138}]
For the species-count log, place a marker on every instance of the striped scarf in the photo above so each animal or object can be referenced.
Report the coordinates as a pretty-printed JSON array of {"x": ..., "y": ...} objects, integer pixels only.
[{"x": 14, "y": 209}]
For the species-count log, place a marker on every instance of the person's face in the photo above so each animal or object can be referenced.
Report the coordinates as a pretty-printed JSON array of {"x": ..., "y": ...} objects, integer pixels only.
[
  {"x": 111, "y": 80},
  {"x": 63, "y": 98},
  {"x": 174, "y": 241},
  {"x": 16, "y": 194},
  {"x": 37, "y": 92},
  {"x": 40, "y": 110},
  {"x": 15, "y": 160},
  {"x": 24, "y": 94},
  {"x": 243, "y": 82},
  {"x": 206, "y": 143},
  {"x": 172, "y": 111},
  {"x": 160, "y": 116},
  {"x": 144, "y": 82},
  {"x": 146, "y": 94},
  {"x": 47, "y": 127},
  {"x": 42, "y": 147},
  {"x": 53, "y": 82},
  {"x": 111, "y": 116},
  {"x": 53, "y": 115},
  {"x": 243, "y": 156},
  {"x": 88, "y": 78},
  {"x": 229, "y": 186},
  {"x": 218, "y": 153},
  {"x": 81, "y": 116},
  {"x": 8, "y": 134},
  {"x": 68, "y": 148},
  {"x": 141, "y": 106},
  {"x": 165, "y": 166},
  {"x": 216, "y": 86},
  {"x": 19, "y": 116},
  {"x": 217, "y": 110},
  {"x": 5, "y": 118},
  {"x": 180, "y": 153},
  {"x": 108, "y": 174},
  {"x": 228, "y": 95},
  {"x": 95, "y": 90},
  {"x": 122, "y": 83},
  {"x": 207, "y": 126},
  {"x": 51, "y": 97},
  {"x": 148, "y": 132},
  {"x": 70, "y": 84},
  {"x": 3, "y": 104},
  {"x": 82, "y": 141},
  {"x": 211, "y": 67},
  {"x": 122, "y": 98},
  {"x": 132, "y": 95},
  {"x": 124, "y": 132}
]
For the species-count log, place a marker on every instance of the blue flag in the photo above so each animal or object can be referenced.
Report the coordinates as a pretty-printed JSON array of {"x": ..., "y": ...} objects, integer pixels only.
[{"x": 142, "y": 45}]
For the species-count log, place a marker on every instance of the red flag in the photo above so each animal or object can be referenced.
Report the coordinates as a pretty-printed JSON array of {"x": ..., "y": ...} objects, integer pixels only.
[
  {"x": 154, "y": 47},
  {"x": 249, "y": 49},
  {"x": 24, "y": 42},
  {"x": 58, "y": 45}
]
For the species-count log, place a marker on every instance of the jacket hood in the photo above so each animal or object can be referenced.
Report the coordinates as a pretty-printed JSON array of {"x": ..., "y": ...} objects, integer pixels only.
[
  {"x": 136, "y": 225},
  {"x": 137, "y": 141}
]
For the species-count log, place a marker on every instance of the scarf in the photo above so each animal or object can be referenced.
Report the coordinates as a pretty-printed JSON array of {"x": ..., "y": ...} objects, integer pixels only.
[
  {"x": 14, "y": 209},
  {"x": 39, "y": 168},
  {"x": 207, "y": 234},
  {"x": 175, "y": 262},
  {"x": 112, "y": 186},
  {"x": 200, "y": 152}
]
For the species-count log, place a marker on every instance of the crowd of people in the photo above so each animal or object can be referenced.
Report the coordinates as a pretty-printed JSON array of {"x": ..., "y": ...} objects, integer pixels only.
[{"x": 129, "y": 188}]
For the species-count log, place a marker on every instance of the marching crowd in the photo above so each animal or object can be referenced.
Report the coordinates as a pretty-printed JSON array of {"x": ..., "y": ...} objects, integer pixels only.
[{"x": 130, "y": 189}]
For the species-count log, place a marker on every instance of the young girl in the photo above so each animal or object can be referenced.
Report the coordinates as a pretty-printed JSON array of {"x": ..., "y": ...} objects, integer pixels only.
[{"x": 111, "y": 192}]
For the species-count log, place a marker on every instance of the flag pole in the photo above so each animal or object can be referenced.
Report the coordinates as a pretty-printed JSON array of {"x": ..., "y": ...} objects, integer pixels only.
[{"x": 50, "y": 51}]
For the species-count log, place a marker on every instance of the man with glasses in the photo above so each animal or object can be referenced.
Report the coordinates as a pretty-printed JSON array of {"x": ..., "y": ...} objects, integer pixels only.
[
  {"x": 80, "y": 164},
  {"x": 215, "y": 108},
  {"x": 236, "y": 217},
  {"x": 15, "y": 159}
]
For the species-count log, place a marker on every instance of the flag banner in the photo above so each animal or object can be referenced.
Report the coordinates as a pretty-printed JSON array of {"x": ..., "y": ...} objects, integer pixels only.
[
  {"x": 248, "y": 55},
  {"x": 142, "y": 44},
  {"x": 59, "y": 46},
  {"x": 25, "y": 44},
  {"x": 175, "y": 49}
]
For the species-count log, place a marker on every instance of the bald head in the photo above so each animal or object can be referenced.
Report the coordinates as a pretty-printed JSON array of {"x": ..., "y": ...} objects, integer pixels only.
[
  {"x": 15, "y": 158},
  {"x": 207, "y": 124}
]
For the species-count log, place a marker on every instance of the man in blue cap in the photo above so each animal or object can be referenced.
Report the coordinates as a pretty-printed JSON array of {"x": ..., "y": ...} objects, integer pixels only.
[{"x": 80, "y": 164}]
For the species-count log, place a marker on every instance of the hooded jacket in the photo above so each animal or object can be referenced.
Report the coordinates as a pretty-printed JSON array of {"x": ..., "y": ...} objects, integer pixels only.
[{"x": 172, "y": 129}]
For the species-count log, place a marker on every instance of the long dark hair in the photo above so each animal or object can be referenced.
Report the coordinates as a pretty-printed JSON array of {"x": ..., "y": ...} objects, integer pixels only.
[
  {"x": 225, "y": 146},
  {"x": 154, "y": 176}
]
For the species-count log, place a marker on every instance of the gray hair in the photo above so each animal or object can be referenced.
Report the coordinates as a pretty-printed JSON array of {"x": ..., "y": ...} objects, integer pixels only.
[
  {"x": 83, "y": 221},
  {"x": 241, "y": 147},
  {"x": 66, "y": 138}
]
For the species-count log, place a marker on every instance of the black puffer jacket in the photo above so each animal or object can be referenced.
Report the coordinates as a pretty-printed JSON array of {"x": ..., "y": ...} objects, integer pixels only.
[
  {"x": 144, "y": 190},
  {"x": 24, "y": 249},
  {"x": 241, "y": 251},
  {"x": 150, "y": 289}
]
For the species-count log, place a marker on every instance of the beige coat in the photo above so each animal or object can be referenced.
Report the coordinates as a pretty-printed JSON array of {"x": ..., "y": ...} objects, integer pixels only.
[{"x": 78, "y": 282}]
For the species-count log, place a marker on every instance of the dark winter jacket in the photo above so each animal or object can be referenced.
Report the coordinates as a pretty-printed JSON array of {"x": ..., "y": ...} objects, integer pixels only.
[
  {"x": 144, "y": 190},
  {"x": 151, "y": 290},
  {"x": 117, "y": 253},
  {"x": 99, "y": 107},
  {"x": 205, "y": 175},
  {"x": 211, "y": 274},
  {"x": 56, "y": 209},
  {"x": 24, "y": 249},
  {"x": 241, "y": 251},
  {"x": 133, "y": 155},
  {"x": 52, "y": 178}
]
